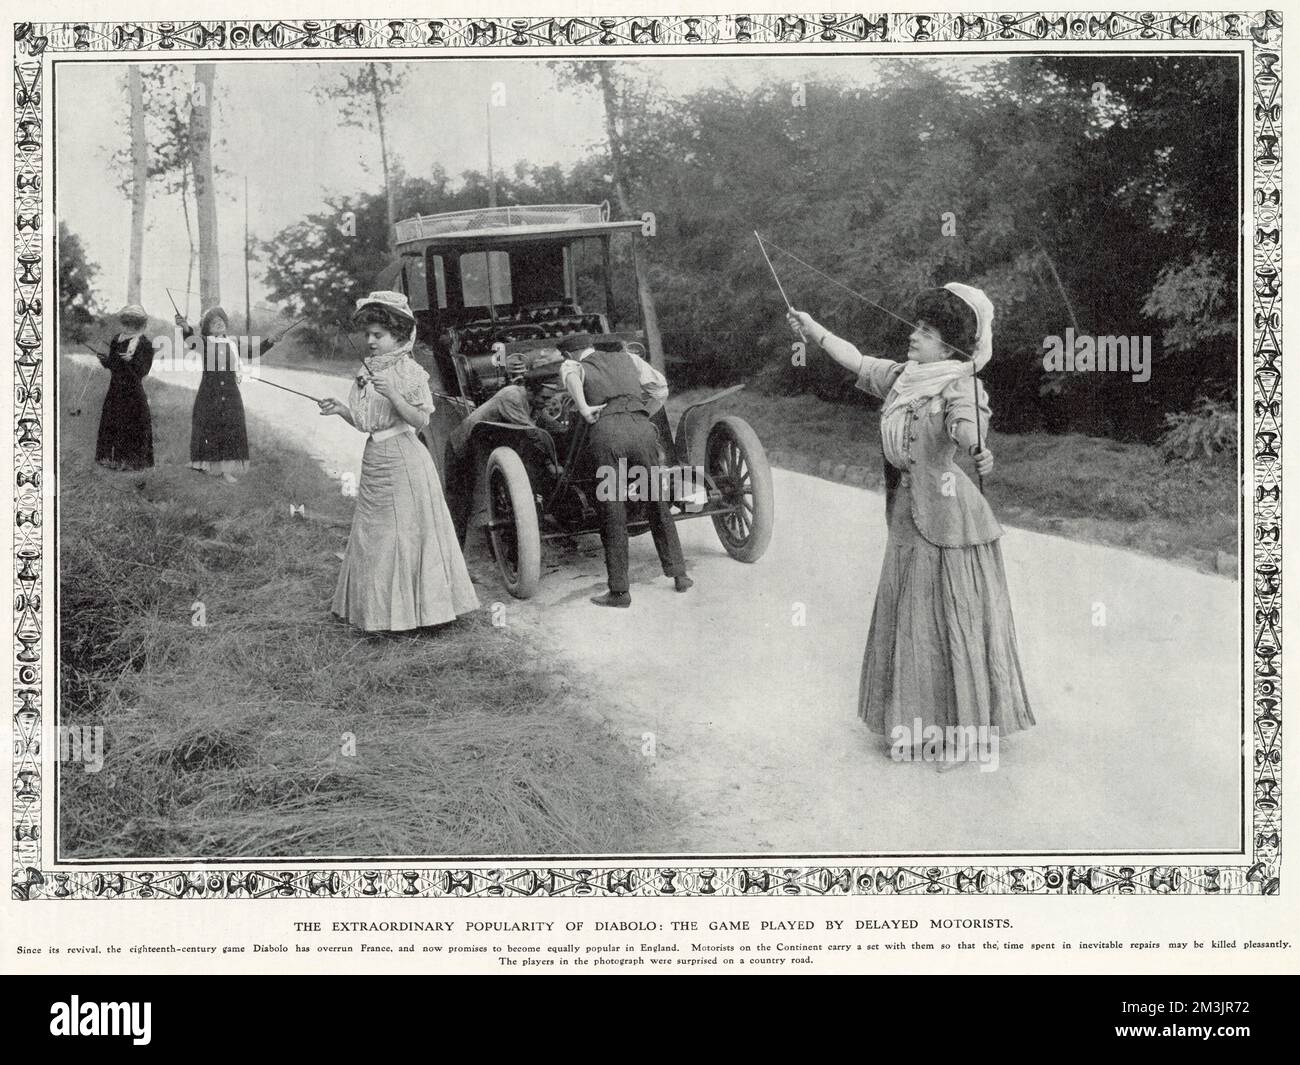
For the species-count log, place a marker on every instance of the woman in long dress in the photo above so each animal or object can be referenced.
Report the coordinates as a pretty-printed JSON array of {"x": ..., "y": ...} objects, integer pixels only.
[
  {"x": 218, "y": 431},
  {"x": 125, "y": 439},
  {"x": 941, "y": 651},
  {"x": 403, "y": 568}
]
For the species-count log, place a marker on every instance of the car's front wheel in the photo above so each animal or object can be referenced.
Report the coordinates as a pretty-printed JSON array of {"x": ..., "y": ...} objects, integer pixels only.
[
  {"x": 736, "y": 462},
  {"x": 512, "y": 523}
]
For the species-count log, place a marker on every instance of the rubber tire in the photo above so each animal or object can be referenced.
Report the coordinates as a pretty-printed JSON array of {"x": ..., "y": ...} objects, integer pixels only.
[
  {"x": 528, "y": 541},
  {"x": 760, "y": 475}
]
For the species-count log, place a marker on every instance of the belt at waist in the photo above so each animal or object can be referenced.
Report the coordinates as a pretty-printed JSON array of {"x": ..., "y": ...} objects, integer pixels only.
[
  {"x": 626, "y": 405},
  {"x": 388, "y": 434}
]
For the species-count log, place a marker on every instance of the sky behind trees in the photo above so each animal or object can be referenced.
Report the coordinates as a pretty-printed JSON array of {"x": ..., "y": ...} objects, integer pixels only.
[
  {"x": 296, "y": 154},
  {"x": 1098, "y": 192}
]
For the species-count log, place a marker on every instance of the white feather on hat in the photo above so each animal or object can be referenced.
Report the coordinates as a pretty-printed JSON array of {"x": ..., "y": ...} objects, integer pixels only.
[{"x": 977, "y": 301}]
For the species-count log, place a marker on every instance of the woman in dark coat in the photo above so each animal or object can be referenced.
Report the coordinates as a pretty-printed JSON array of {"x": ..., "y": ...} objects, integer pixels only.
[
  {"x": 125, "y": 440},
  {"x": 218, "y": 434}
]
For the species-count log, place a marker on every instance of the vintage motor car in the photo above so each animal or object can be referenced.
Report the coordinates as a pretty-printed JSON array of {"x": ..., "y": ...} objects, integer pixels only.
[{"x": 492, "y": 286}]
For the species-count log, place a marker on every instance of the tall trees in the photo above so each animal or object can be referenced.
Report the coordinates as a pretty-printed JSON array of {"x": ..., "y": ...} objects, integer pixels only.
[
  {"x": 603, "y": 75},
  {"x": 1111, "y": 211},
  {"x": 1118, "y": 214},
  {"x": 1175, "y": 121},
  {"x": 360, "y": 97},
  {"x": 315, "y": 269},
  {"x": 1154, "y": 205},
  {"x": 162, "y": 126},
  {"x": 205, "y": 193}
]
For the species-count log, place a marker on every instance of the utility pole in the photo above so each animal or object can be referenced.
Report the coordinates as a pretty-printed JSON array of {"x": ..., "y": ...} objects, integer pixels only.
[
  {"x": 248, "y": 303},
  {"x": 491, "y": 174}
]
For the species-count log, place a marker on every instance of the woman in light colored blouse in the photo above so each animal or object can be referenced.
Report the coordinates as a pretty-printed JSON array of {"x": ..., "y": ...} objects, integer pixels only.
[
  {"x": 941, "y": 650},
  {"x": 403, "y": 568}
]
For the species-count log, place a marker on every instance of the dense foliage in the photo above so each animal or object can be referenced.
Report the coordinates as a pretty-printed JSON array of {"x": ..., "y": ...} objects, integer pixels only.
[
  {"x": 77, "y": 304},
  {"x": 1094, "y": 193}
]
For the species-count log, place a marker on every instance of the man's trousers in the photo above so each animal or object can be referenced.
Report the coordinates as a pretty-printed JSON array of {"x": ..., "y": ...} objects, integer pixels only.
[{"x": 632, "y": 438}]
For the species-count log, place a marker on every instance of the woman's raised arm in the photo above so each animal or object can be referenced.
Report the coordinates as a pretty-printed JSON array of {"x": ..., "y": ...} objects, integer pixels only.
[
  {"x": 875, "y": 376},
  {"x": 837, "y": 348}
]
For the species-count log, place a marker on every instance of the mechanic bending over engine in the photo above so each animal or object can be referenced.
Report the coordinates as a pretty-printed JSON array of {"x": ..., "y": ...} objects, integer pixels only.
[
  {"x": 616, "y": 392},
  {"x": 522, "y": 401}
]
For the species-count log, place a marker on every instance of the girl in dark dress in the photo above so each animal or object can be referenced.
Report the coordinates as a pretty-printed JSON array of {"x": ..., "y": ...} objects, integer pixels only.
[
  {"x": 218, "y": 434},
  {"x": 125, "y": 440}
]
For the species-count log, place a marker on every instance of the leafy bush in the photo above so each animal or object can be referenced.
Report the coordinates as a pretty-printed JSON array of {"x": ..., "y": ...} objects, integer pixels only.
[
  {"x": 1207, "y": 431},
  {"x": 77, "y": 306}
]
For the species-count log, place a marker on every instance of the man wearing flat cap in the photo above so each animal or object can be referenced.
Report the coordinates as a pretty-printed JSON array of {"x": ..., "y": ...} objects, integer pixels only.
[
  {"x": 523, "y": 400},
  {"x": 616, "y": 392}
]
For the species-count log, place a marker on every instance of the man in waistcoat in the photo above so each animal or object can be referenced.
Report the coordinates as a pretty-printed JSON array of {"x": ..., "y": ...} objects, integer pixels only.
[{"x": 617, "y": 392}]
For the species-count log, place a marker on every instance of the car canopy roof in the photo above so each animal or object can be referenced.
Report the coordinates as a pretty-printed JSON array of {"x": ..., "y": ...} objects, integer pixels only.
[{"x": 507, "y": 225}]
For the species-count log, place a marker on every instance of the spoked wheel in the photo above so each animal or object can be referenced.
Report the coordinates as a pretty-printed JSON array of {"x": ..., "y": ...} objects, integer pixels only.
[
  {"x": 512, "y": 523},
  {"x": 735, "y": 460}
]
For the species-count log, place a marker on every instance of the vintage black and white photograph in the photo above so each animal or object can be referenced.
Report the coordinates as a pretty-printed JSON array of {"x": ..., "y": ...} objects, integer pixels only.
[{"x": 799, "y": 450}]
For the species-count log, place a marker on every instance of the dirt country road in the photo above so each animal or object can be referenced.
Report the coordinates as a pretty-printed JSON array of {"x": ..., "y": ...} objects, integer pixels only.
[{"x": 751, "y": 715}]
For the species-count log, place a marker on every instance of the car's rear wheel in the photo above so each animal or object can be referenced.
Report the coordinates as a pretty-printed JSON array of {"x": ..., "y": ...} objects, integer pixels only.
[
  {"x": 512, "y": 523},
  {"x": 736, "y": 462}
]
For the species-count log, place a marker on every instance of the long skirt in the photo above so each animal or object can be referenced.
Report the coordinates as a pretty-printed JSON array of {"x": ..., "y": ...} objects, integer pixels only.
[
  {"x": 218, "y": 434},
  {"x": 125, "y": 439},
  {"x": 403, "y": 567},
  {"x": 942, "y": 643}
]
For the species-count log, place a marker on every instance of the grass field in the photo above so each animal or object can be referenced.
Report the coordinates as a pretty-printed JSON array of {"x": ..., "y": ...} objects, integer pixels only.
[
  {"x": 1086, "y": 488},
  {"x": 273, "y": 728}
]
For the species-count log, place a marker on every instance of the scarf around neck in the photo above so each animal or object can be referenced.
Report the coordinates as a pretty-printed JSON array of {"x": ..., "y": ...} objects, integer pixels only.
[
  {"x": 925, "y": 380},
  {"x": 389, "y": 359},
  {"x": 370, "y": 410}
]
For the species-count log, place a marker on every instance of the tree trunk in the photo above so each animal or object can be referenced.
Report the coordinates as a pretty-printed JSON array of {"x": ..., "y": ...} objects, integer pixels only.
[
  {"x": 609, "y": 93},
  {"x": 649, "y": 318},
  {"x": 383, "y": 155},
  {"x": 139, "y": 180},
  {"x": 189, "y": 232},
  {"x": 205, "y": 193}
]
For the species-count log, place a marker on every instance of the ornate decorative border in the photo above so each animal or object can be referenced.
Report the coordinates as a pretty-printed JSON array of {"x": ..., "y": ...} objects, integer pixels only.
[{"x": 1260, "y": 34}]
